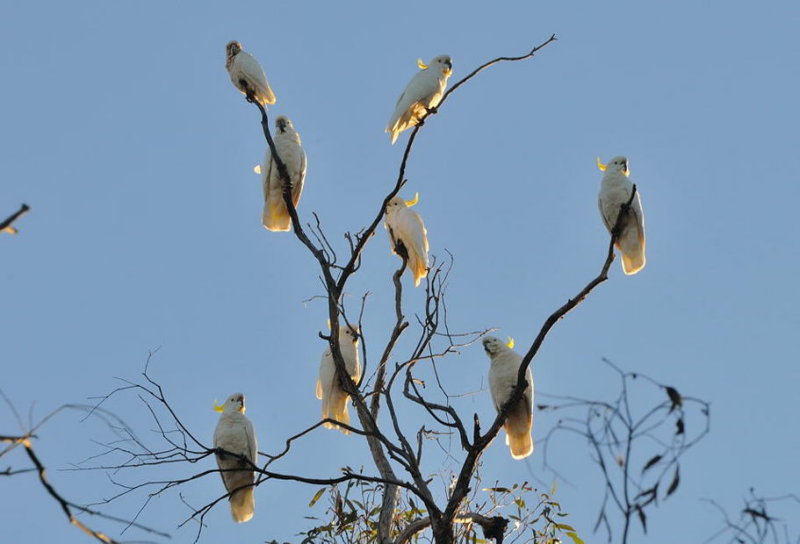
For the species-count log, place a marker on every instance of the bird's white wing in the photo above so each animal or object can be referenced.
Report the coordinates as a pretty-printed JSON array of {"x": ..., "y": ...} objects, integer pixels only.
[
  {"x": 245, "y": 66},
  {"x": 299, "y": 178},
  {"x": 252, "y": 442},
  {"x": 327, "y": 370},
  {"x": 408, "y": 227},
  {"x": 413, "y": 102},
  {"x": 413, "y": 228}
]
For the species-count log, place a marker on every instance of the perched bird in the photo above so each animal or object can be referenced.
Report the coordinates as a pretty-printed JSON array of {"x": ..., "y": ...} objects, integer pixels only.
[
  {"x": 407, "y": 229},
  {"x": 287, "y": 143},
  {"x": 334, "y": 399},
  {"x": 235, "y": 434},
  {"x": 423, "y": 92},
  {"x": 615, "y": 190},
  {"x": 502, "y": 378},
  {"x": 247, "y": 75}
]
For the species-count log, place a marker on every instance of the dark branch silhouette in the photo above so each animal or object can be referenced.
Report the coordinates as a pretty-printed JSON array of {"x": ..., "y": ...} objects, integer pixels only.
[{"x": 7, "y": 224}]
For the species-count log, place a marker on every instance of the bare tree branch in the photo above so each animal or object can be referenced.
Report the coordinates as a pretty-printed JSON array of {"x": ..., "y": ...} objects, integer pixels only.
[{"x": 7, "y": 224}]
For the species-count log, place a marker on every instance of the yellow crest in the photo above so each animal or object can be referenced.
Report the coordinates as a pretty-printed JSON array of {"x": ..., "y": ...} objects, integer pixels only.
[
  {"x": 413, "y": 201},
  {"x": 510, "y": 343},
  {"x": 218, "y": 408},
  {"x": 600, "y": 165},
  {"x": 422, "y": 65}
]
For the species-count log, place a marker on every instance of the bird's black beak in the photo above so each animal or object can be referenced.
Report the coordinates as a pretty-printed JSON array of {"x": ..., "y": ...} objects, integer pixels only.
[{"x": 281, "y": 123}]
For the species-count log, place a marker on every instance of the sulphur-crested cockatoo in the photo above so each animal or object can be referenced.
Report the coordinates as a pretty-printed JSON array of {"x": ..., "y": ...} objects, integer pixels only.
[
  {"x": 235, "y": 434},
  {"x": 334, "y": 399},
  {"x": 287, "y": 143},
  {"x": 406, "y": 227},
  {"x": 423, "y": 92},
  {"x": 503, "y": 372},
  {"x": 247, "y": 75},
  {"x": 615, "y": 190}
]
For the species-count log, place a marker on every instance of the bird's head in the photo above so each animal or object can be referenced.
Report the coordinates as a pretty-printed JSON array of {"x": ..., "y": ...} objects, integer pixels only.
[
  {"x": 282, "y": 122},
  {"x": 235, "y": 403},
  {"x": 397, "y": 203},
  {"x": 617, "y": 165},
  {"x": 233, "y": 49},
  {"x": 443, "y": 63},
  {"x": 349, "y": 333},
  {"x": 493, "y": 345}
]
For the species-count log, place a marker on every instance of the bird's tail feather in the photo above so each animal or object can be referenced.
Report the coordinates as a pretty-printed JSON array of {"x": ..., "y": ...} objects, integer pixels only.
[
  {"x": 335, "y": 408},
  {"x": 341, "y": 414},
  {"x": 518, "y": 432},
  {"x": 418, "y": 267},
  {"x": 632, "y": 245},
  {"x": 243, "y": 505},
  {"x": 275, "y": 217}
]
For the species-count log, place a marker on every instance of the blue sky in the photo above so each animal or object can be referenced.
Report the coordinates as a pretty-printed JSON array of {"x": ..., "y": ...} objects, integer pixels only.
[{"x": 121, "y": 130}]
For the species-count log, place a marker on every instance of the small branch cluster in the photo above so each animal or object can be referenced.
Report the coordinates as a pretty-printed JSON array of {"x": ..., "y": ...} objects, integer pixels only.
[
  {"x": 758, "y": 523},
  {"x": 70, "y": 509},
  {"x": 619, "y": 432}
]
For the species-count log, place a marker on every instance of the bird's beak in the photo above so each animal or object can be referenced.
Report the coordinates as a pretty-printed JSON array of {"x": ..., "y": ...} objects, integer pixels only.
[
  {"x": 412, "y": 202},
  {"x": 625, "y": 169},
  {"x": 600, "y": 165},
  {"x": 422, "y": 65},
  {"x": 281, "y": 125},
  {"x": 449, "y": 69}
]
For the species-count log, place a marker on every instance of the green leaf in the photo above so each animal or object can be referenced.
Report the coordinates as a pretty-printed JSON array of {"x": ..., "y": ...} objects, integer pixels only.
[
  {"x": 565, "y": 527},
  {"x": 316, "y": 497},
  {"x": 575, "y": 538}
]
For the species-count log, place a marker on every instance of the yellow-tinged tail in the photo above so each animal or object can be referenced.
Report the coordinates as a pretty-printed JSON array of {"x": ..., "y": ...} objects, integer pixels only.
[
  {"x": 518, "y": 431},
  {"x": 520, "y": 444},
  {"x": 632, "y": 263},
  {"x": 336, "y": 408},
  {"x": 276, "y": 218},
  {"x": 632, "y": 247},
  {"x": 243, "y": 505}
]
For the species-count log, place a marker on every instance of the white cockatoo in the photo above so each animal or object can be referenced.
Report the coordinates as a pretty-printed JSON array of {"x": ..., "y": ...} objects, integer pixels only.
[
  {"x": 287, "y": 143},
  {"x": 329, "y": 391},
  {"x": 615, "y": 190},
  {"x": 423, "y": 92},
  {"x": 503, "y": 372},
  {"x": 405, "y": 226},
  {"x": 247, "y": 75},
  {"x": 235, "y": 434}
]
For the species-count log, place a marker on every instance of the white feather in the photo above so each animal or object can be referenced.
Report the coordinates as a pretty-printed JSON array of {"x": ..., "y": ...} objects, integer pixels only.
[
  {"x": 423, "y": 92},
  {"x": 288, "y": 145},
  {"x": 334, "y": 398},
  {"x": 503, "y": 372},
  {"x": 246, "y": 74},
  {"x": 406, "y": 225},
  {"x": 235, "y": 433},
  {"x": 615, "y": 190}
]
